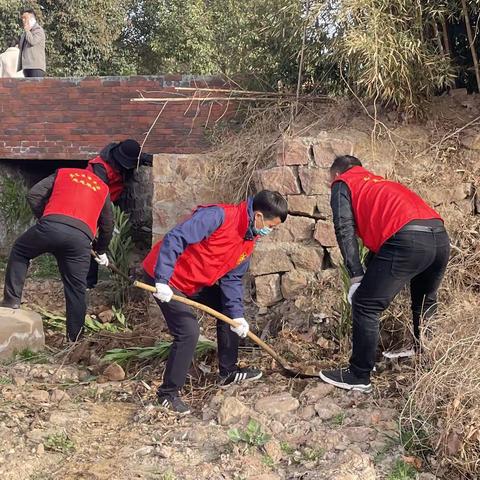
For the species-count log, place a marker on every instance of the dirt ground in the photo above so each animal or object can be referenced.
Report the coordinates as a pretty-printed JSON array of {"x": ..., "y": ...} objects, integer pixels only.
[{"x": 59, "y": 420}]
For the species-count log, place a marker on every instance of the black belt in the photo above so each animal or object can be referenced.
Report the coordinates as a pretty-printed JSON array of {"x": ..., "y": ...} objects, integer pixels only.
[{"x": 422, "y": 228}]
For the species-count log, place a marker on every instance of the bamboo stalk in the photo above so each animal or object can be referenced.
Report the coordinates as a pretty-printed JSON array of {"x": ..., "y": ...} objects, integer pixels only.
[
  {"x": 226, "y": 90},
  {"x": 232, "y": 99},
  {"x": 446, "y": 40},
  {"x": 437, "y": 37},
  {"x": 471, "y": 41}
]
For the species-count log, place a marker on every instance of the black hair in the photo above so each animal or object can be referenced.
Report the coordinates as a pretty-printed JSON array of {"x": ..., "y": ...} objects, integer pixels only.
[
  {"x": 30, "y": 11},
  {"x": 271, "y": 204},
  {"x": 13, "y": 42},
  {"x": 343, "y": 163}
]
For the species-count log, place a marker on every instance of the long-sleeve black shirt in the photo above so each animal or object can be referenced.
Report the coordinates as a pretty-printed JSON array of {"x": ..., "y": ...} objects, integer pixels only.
[
  {"x": 38, "y": 197},
  {"x": 345, "y": 229}
]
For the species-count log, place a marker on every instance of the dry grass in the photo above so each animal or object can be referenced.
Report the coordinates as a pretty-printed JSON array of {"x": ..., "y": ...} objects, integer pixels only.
[
  {"x": 442, "y": 413},
  {"x": 443, "y": 409},
  {"x": 239, "y": 156}
]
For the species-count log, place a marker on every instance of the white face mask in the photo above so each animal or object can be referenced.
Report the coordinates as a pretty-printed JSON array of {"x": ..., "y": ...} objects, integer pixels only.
[{"x": 31, "y": 22}]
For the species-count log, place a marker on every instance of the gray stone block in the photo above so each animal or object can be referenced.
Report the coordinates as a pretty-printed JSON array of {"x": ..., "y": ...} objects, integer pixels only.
[{"x": 20, "y": 329}]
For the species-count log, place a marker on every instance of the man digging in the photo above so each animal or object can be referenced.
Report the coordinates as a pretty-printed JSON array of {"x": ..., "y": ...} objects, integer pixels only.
[
  {"x": 114, "y": 165},
  {"x": 205, "y": 259},
  {"x": 409, "y": 244},
  {"x": 70, "y": 205}
]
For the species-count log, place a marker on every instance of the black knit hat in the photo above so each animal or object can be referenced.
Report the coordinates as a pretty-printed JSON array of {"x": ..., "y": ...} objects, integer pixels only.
[{"x": 126, "y": 153}]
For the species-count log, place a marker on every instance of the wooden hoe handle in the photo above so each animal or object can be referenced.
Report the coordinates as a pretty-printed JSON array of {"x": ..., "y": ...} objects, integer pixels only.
[{"x": 218, "y": 315}]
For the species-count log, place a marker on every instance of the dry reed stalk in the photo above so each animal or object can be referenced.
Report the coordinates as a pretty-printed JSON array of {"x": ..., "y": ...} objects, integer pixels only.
[
  {"x": 443, "y": 409},
  {"x": 238, "y": 157}
]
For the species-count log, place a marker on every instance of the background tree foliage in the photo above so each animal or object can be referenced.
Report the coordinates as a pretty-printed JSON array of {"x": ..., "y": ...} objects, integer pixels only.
[
  {"x": 398, "y": 52},
  {"x": 82, "y": 36}
]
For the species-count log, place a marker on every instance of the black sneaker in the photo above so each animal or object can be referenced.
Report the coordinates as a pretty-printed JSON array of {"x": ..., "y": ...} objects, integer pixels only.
[
  {"x": 173, "y": 403},
  {"x": 240, "y": 375},
  {"x": 346, "y": 379},
  {"x": 7, "y": 304}
]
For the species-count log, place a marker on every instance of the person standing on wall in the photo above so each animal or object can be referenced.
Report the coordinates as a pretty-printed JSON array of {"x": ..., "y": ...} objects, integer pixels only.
[
  {"x": 114, "y": 165},
  {"x": 9, "y": 60},
  {"x": 32, "y": 47},
  {"x": 70, "y": 205},
  {"x": 409, "y": 244},
  {"x": 205, "y": 258}
]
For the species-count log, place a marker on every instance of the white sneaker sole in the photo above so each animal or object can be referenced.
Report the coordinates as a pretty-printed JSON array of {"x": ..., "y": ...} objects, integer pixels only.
[
  {"x": 251, "y": 379},
  {"x": 364, "y": 388},
  {"x": 401, "y": 354},
  {"x": 167, "y": 407}
]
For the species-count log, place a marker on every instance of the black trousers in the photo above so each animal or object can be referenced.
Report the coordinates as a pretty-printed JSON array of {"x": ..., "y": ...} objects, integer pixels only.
[
  {"x": 71, "y": 248},
  {"x": 33, "y": 73},
  {"x": 418, "y": 258},
  {"x": 183, "y": 326},
  {"x": 92, "y": 275}
]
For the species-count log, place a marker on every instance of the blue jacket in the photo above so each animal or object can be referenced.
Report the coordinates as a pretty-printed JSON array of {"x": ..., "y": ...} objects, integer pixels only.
[{"x": 203, "y": 223}]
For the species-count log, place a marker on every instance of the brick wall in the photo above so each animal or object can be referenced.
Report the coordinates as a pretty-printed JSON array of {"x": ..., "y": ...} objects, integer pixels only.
[{"x": 73, "y": 118}]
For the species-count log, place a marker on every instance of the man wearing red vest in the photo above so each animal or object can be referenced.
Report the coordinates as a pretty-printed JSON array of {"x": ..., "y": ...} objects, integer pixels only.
[
  {"x": 205, "y": 259},
  {"x": 70, "y": 205},
  {"x": 408, "y": 243},
  {"x": 115, "y": 165}
]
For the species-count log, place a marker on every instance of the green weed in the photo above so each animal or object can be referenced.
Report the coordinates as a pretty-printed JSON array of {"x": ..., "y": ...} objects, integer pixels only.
[
  {"x": 267, "y": 460},
  {"x": 402, "y": 471},
  {"x": 286, "y": 448},
  {"x": 5, "y": 381},
  {"x": 59, "y": 442},
  {"x": 344, "y": 327},
  {"x": 159, "y": 351},
  {"x": 313, "y": 454},
  {"x": 338, "y": 419},
  {"x": 119, "y": 250},
  {"x": 28, "y": 355},
  {"x": 252, "y": 435},
  {"x": 415, "y": 440},
  {"x": 14, "y": 207},
  {"x": 44, "y": 266}
]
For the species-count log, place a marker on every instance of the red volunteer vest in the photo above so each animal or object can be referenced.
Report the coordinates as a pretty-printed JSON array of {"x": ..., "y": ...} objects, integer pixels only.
[
  {"x": 202, "y": 264},
  {"x": 382, "y": 207},
  {"x": 115, "y": 179},
  {"x": 77, "y": 194}
]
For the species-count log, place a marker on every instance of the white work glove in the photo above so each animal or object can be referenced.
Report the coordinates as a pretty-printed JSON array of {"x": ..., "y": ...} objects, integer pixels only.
[
  {"x": 242, "y": 329},
  {"x": 353, "y": 289},
  {"x": 102, "y": 259},
  {"x": 164, "y": 293}
]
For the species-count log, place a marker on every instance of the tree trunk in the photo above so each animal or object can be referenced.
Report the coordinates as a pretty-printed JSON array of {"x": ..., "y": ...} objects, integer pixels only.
[{"x": 471, "y": 42}]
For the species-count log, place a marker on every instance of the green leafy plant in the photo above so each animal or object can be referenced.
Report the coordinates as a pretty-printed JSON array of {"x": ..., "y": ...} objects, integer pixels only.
[
  {"x": 338, "y": 419},
  {"x": 344, "y": 326},
  {"x": 313, "y": 454},
  {"x": 59, "y": 442},
  {"x": 252, "y": 435},
  {"x": 267, "y": 460},
  {"x": 413, "y": 437},
  {"x": 402, "y": 471},
  {"x": 45, "y": 266},
  {"x": 119, "y": 250},
  {"x": 287, "y": 448},
  {"x": 56, "y": 321},
  {"x": 14, "y": 207},
  {"x": 159, "y": 351},
  {"x": 28, "y": 355}
]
